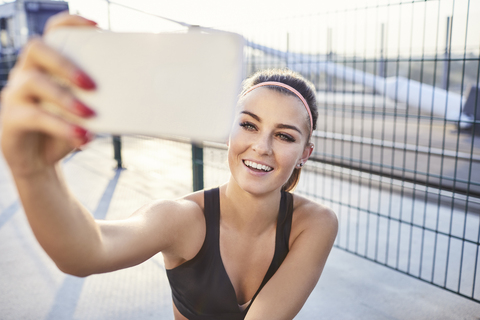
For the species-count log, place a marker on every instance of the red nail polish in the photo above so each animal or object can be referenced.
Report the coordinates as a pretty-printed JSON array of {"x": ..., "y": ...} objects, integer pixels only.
[
  {"x": 83, "y": 81},
  {"x": 88, "y": 137},
  {"x": 93, "y": 23},
  {"x": 80, "y": 132},
  {"x": 82, "y": 110}
]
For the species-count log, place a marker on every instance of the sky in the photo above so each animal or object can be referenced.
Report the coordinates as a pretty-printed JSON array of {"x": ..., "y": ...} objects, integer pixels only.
[
  {"x": 409, "y": 28},
  {"x": 212, "y": 13}
]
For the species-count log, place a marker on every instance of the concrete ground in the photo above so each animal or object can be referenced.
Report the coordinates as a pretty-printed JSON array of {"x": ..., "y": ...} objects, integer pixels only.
[{"x": 31, "y": 287}]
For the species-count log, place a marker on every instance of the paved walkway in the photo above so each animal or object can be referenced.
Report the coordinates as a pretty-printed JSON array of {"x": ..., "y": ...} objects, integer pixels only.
[{"x": 31, "y": 287}]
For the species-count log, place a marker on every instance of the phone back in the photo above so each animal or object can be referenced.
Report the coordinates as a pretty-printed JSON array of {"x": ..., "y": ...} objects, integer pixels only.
[{"x": 174, "y": 85}]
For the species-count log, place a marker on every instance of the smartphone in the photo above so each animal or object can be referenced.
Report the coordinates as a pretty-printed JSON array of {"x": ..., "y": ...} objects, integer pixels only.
[{"x": 173, "y": 85}]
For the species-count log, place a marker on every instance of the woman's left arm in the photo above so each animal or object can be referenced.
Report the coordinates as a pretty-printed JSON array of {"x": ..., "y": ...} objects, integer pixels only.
[{"x": 286, "y": 292}]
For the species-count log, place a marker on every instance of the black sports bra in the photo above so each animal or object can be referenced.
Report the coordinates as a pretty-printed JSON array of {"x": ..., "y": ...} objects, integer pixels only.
[{"x": 201, "y": 288}]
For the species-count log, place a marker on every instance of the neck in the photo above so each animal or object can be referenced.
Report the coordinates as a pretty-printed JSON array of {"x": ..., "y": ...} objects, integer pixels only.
[{"x": 246, "y": 211}]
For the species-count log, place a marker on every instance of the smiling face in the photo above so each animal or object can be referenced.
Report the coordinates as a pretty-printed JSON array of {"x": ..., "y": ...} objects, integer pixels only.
[{"x": 268, "y": 139}]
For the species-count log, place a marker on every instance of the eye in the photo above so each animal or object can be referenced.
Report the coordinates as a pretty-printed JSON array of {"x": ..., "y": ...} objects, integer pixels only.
[
  {"x": 248, "y": 126},
  {"x": 286, "y": 137}
]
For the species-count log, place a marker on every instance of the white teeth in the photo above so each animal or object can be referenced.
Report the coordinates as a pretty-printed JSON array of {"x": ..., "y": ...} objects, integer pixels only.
[{"x": 258, "y": 166}]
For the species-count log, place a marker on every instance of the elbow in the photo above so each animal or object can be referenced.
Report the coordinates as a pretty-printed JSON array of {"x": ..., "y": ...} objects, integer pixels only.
[
  {"x": 74, "y": 270},
  {"x": 78, "y": 264},
  {"x": 78, "y": 274}
]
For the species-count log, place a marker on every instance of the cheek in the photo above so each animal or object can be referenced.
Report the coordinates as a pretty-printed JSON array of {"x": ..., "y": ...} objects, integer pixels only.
[
  {"x": 289, "y": 157},
  {"x": 235, "y": 144},
  {"x": 291, "y": 152},
  {"x": 237, "y": 138}
]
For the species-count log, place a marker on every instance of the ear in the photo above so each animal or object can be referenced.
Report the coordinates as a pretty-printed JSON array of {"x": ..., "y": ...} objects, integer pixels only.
[{"x": 307, "y": 152}]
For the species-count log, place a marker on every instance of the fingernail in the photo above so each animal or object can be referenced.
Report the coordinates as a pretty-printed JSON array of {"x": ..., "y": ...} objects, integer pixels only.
[
  {"x": 83, "y": 81},
  {"x": 82, "y": 110},
  {"x": 80, "y": 132},
  {"x": 94, "y": 23},
  {"x": 87, "y": 138}
]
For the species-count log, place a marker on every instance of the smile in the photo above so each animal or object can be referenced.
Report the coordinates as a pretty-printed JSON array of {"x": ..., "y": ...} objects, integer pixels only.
[{"x": 257, "y": 166}]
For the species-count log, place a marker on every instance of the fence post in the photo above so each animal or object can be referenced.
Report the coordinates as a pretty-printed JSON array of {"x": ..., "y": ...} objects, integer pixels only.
[
  {"x": 381, "y": 68},
  {"x": 446, "y": 62},
  {"x": 472, "y": 107},
  {"x": 288, "y": 49},
  {"x": 117, "y": 151},
  {"x": 197, "y": 167},
  {"x": 329, "y": 58}
]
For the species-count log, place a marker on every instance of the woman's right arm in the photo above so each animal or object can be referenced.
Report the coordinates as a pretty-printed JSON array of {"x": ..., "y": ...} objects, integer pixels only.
[
  {"x": 34, "y": 140},
  {"x": 81, "y": 245}
]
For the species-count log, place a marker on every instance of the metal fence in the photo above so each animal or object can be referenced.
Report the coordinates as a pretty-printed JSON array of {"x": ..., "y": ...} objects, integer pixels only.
[
  {"x": 6, "y": 64},
  {"x": 397, "y": 145}
]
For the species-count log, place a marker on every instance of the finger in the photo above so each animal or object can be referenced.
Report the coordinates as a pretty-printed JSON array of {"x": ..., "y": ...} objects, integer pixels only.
[
  {"x": 64, "y": 19},
  {"x": 37, "y": 54},
  {"x": 42, "y": 88},
  {"x": 31, "y": 119},
  {"x": 33, "y": 86}
]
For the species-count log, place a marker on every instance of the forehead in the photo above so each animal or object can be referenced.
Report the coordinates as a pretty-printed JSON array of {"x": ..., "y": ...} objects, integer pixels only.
[{"x": 275, "y": 106}]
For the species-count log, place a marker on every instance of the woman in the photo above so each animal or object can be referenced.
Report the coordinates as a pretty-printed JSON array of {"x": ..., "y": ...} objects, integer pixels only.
[{"x": 249, "y": 249}]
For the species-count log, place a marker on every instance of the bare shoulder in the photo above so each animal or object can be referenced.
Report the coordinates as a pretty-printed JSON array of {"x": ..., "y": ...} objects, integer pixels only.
[
  {"x": 310, "y": 212},
  {"x": 183, "y": 209},
  {"x": 313, "y": 218},
  {"x": 175, "y": 227},
  {"x": 170, "y": 219}
]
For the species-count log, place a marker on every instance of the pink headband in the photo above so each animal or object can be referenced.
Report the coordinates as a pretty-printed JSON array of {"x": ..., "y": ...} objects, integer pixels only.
[{"x": 283, "y": 85}]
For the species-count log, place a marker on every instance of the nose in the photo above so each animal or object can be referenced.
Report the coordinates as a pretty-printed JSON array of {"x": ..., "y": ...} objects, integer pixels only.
[{"x": 263, "y": 145}]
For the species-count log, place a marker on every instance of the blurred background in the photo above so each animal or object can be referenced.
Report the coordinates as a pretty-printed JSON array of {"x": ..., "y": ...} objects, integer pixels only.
[{"x": 397, "y": 153}]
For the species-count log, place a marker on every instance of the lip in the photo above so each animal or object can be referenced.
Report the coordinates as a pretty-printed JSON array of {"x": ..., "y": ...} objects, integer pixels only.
[{"x": 257, "y": 173}]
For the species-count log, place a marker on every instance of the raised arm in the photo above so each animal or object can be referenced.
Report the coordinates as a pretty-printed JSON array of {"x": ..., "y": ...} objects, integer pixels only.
[
  {"x": 81, "y": 246},
  {"x": 34, "y": 138},
  {"x": 287, "y": 291}
]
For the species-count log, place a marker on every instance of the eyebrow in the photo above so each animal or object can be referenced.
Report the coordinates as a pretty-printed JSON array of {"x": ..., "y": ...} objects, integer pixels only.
[
  {"x": 281, "y": 125},
  {"x": 253, "y": 115}
]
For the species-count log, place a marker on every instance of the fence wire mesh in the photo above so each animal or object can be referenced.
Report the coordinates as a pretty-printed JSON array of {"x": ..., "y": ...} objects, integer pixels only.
[{"x": 397, "y": 143}]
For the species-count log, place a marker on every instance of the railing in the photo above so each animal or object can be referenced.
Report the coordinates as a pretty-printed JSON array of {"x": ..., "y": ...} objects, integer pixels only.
[
  {"x": 6, "y": 64},
  {"x": 397, "y": 151}
]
